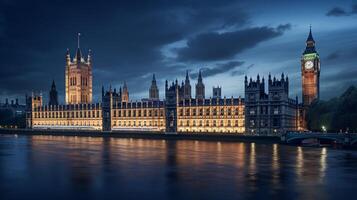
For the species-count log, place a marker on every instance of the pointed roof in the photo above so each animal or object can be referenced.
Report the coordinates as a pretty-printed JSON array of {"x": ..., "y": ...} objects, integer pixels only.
[
  {"x": 310, "y": 38},
  {"x": 78, "y": 53},
  {"x": 53, "y": 87},
  {"x": 310, "y": 44},
  {"x": 199, "y": 76}
]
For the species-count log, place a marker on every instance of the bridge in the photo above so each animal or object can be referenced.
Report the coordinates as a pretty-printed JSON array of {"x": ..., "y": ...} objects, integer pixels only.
[{"x": 340, "y": 138}]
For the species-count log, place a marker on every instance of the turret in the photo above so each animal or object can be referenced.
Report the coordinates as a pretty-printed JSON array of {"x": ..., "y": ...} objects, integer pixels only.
[
  {"x": 68, "y": 58},
  {"x": 53, "y": 95},
  {"x": 89, "y": 58},
  {"x": 187, "y": 87},
  {"x": 153, "y": 90},
  {"x": 200, "y": 87}
]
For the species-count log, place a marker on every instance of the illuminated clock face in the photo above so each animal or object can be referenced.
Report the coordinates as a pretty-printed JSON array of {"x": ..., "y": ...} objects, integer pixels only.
[{"x": 309, "y": 65}]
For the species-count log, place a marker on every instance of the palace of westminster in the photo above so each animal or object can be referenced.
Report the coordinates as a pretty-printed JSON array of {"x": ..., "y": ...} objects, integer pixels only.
[{"x": 258, "y": 112}]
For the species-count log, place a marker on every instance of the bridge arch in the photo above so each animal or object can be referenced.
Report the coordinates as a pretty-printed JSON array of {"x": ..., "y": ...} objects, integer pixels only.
[{"x": 301, "y": 138}]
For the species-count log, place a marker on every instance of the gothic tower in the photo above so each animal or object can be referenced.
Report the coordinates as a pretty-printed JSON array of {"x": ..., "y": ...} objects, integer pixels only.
[
  {"x": 125, "y": 93},
  {"x": 310, "y": 71},
  {"x": 200, "y": 87},
  {"x": 53, "y": 95},
  {"x": 187, "y": 87},
  {"x": 153, "y": 91},
  {"x": 217, "y": 92},
  {"x": 78, "y": 77}
]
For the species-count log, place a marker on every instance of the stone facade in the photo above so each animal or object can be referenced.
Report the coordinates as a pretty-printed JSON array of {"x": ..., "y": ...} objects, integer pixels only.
[{"x": 272, "y": 112}]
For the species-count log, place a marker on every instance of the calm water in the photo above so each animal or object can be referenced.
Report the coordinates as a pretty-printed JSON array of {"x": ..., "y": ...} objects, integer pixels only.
[{"x": 48, "y": 167}]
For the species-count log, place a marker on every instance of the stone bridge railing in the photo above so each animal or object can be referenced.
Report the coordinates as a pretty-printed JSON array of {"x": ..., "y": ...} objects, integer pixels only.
[{"x": 342, "y": 138}]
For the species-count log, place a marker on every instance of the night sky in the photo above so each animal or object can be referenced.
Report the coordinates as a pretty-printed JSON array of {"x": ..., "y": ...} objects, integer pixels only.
[{"x": 130, "y": 40}]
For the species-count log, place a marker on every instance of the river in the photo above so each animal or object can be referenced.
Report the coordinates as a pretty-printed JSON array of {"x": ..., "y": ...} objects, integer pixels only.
[{"x": 63, "y": 167}]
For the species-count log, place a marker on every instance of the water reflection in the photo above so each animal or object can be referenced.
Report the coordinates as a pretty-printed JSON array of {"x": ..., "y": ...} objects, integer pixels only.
[{"x": 92, "y": 167}]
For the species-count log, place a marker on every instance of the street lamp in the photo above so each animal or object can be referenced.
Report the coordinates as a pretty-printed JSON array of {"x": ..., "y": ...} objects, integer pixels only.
[{"x": 323, "y": 129}]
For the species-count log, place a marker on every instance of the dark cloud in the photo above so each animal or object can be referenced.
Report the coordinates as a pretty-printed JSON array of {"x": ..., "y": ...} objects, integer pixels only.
[
  {"x": 240, "y": 72},
  {"x": 216, "y": 46},
  {"x": 337, "y": 12},
  {"x": 333, "y": 56},
  {"x": 126, "y": 37},
  {"x": 218, "y": 69}
]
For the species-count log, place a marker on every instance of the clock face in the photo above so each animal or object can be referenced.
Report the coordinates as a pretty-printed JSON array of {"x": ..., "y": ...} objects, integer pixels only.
[{"x": 309, "y": 65}]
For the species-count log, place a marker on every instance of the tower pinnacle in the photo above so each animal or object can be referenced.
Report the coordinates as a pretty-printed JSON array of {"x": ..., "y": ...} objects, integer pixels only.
[{"x": 78, "y": 36}]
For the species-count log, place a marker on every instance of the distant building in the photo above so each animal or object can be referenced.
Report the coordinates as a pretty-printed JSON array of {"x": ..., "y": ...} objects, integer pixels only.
[
  {"x": 13, "y": 109},
  {"x": 200, "y": 87},
  {"x": 125, "y": 93},
  {"x": 53, "y": 95},
  {"x": 154, "y": 90},
  {"x": 217, "y": 92},
  {"x": 187, "y": 87}
]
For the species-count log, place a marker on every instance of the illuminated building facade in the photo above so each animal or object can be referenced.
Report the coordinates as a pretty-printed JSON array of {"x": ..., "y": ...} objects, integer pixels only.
[
  {"x": 78, "y": 78},
  {"x": 258, "y": 112},
  {"x": 132, "y": 116},
  {"x": 310, "y": 72},
  {"x": 69, "y": 116}
]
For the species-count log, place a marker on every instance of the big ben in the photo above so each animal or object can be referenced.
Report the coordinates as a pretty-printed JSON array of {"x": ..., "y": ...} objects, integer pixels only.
[{"x": 310, "y": 71}]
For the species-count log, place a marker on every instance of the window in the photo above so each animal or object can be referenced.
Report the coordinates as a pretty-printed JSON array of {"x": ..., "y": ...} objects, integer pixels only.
[{"x": 276, "y": 110}]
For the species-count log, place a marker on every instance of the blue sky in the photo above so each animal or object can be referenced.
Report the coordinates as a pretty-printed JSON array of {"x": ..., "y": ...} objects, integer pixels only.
[{"x": 130, "y": 40}]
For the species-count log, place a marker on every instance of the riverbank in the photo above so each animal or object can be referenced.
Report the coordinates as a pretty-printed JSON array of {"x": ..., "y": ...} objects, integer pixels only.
[{"x": 149, "y": 135}]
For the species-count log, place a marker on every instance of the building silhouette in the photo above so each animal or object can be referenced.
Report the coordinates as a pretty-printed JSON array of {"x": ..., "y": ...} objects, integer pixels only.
[
  {"x": 53, "y": 95},
  {"x": 154, "y": 90},
  {"x": 217, "y": 92},
  {"x": 200, "y": 87}
]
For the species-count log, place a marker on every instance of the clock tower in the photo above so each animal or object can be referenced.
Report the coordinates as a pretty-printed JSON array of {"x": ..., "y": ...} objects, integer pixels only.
[{"x": 310, "y": 71}]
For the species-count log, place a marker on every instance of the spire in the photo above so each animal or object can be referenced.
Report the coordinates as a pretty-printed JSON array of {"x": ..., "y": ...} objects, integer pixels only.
[
  {"x": 53, "y": 87},
  {"x": 125, "y": 86},
  {"x": 310, "y": 38},
  {"x": 89, "y": 58},
  {"x": 310, "y": 44},
  {"x": 79, "y": 34},
  {"x": 153, "y": 79},
  {"x": 78, "y": 54},
  {"x": 199, "y": 76},
  {"x": 187, "y": 77}
]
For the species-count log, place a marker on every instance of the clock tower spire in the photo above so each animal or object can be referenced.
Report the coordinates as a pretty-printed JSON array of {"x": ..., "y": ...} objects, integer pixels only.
[{"x": 310, "y": 72}]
